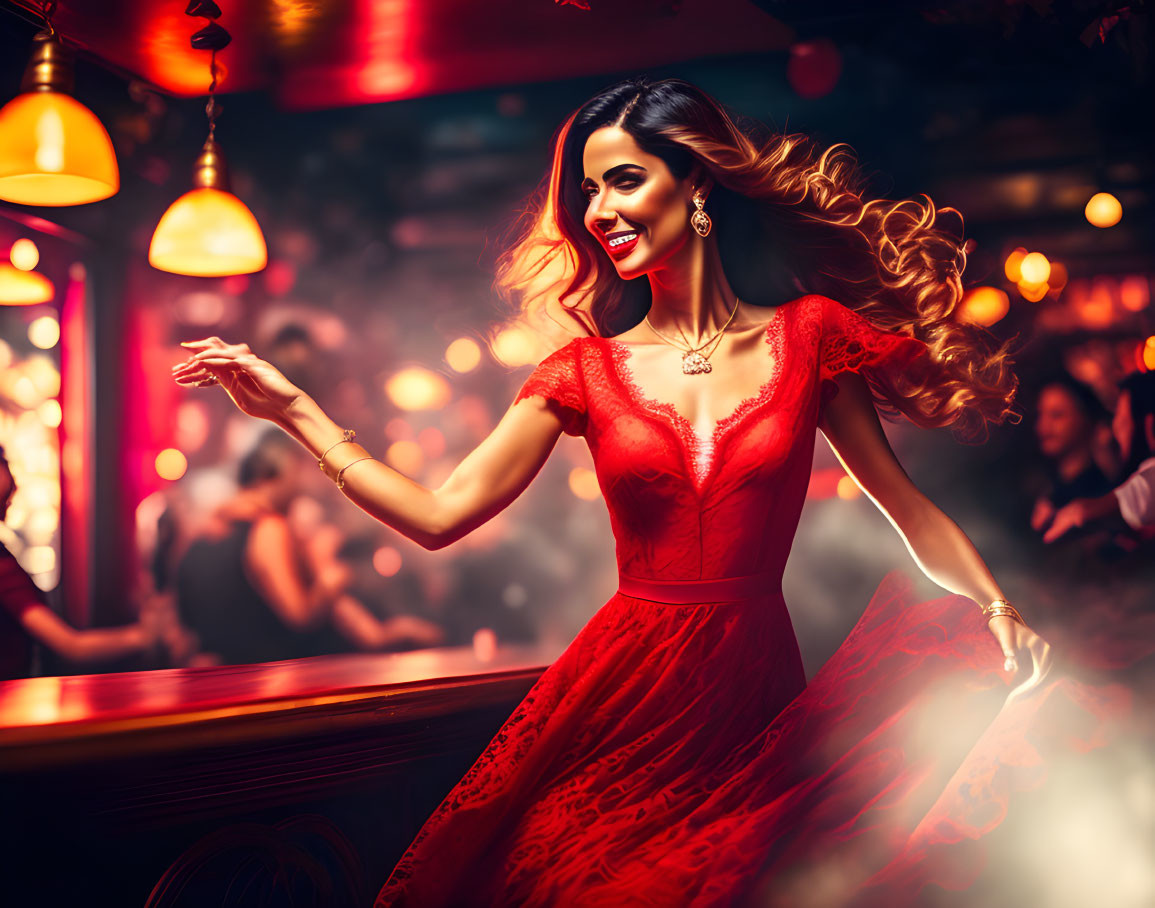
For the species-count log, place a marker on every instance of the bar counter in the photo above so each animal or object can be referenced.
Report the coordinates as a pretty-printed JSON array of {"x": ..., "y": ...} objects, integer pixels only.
[{"x": 165, "y": 787}]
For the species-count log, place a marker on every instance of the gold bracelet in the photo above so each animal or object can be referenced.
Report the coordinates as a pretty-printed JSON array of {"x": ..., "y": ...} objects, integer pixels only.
[
  {"x": 341, "y": 472},
  {"x": 1003, "y": 609},
  {"x": 349, "y": 436}
]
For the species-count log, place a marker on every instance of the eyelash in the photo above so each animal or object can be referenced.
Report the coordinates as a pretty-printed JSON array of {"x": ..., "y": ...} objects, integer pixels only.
[{"x": 623, "y": 182}]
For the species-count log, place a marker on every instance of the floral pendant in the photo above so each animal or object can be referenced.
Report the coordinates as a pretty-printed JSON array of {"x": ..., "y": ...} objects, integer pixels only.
[{"x": 694, "y": 363}]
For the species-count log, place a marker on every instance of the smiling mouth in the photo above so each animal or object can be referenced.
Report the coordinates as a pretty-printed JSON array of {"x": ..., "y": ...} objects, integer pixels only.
[{"x": 621, "y": 244}]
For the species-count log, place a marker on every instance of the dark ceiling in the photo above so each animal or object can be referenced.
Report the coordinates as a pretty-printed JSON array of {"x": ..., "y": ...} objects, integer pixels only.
[{"x": 328, "y": 53}]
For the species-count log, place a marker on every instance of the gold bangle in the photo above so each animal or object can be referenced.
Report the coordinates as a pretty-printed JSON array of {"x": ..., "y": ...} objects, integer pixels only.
[
  {"x": 348, "y": 436},
  {"x": 1005, "y": 611},
  {"x": 341, "y": 472}
]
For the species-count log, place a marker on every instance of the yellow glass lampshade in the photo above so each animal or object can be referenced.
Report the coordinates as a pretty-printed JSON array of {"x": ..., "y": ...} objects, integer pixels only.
[
  {"x": 210, "y": 233},
  {"x": 23, "y": 288},
  {"x": 53, "y": 150}
]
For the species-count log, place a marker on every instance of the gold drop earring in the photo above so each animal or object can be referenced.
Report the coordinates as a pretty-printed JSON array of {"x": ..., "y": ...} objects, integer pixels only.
[{"x": 699, "y": 220}]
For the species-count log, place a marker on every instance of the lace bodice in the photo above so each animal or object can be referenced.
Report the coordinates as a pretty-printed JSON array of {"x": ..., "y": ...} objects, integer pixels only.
[{"x": 685, "y": 505}]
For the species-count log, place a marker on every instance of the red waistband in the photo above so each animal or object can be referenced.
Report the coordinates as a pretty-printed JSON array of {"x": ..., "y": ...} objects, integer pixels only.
[{"x": 719, "y": 589}]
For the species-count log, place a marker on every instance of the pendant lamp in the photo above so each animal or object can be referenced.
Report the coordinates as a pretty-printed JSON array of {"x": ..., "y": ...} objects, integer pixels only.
[
  {"x": 208, "y": 231},
  {"x": 53, "y": 150}
]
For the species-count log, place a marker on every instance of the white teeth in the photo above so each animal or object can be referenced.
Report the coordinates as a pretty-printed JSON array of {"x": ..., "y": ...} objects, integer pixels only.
[{"x": 623, "y": 239}]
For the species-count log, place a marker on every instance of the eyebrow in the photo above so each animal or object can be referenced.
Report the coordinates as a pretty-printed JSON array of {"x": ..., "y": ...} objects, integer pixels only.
[{"x": 614, "y": 171}]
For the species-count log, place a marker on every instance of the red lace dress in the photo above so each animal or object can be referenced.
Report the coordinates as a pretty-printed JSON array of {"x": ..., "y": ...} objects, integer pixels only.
[{"x": 674, "y": 754}]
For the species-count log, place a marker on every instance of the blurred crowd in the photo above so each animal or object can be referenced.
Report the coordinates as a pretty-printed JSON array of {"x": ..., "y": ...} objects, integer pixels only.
[{"x": 279, "y": 566}]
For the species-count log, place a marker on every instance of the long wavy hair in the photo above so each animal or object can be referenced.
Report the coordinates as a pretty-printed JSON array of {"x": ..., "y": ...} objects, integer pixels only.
[{"x": 790, "y": 218}]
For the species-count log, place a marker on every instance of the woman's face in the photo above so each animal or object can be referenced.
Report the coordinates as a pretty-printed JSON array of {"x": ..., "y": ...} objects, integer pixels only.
[
  {"x": 1060, "y": 425},
  {"x": 638, "y": 211},
  {"x": 1123, "y": 426}
]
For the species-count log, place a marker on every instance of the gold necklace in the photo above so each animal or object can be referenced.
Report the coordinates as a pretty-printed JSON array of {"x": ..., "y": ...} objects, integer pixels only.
[{"x": 694, "y": 362}]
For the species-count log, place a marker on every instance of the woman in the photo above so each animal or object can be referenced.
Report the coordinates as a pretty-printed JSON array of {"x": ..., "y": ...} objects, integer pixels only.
[
  {"x": 1133, "y": 501},
  {"x": 27, "y": 619},
  {"x": 674, "y": 754},
  {"x": 1067, "y": 427}
]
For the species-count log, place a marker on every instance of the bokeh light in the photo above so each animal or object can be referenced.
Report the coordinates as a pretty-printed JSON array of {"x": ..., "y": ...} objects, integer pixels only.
[
  {"x": 1149, "y": 353},
  {"x": 463, "y": 355},
  {"x": 985, "y": 305},
  {"x": 50, "y": 413},
  {"x": 1032, "y": 293},
  {"x": 171, "y": 464},
  {"x": 405, "y": 456},
  {"x": 848, "y": 489},
  {"x": 515, "y": 347},
  {"x": 1012, "y": 267},
  {"x": 583, "y": 482},
  {"x": 416, "y": 388},
  {"x": 44, "y": 332},
  {"x": 24, "y": 254},
  {"x": 1035, "y": 268},
  {"x": 1104, "y": 210},
  {"x": 387, "y": 561}
]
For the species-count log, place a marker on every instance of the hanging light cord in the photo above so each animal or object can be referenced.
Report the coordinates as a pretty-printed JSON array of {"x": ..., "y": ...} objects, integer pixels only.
[
  {"x": 212, "y": 109},
  {"x": 48, "y": 10}
]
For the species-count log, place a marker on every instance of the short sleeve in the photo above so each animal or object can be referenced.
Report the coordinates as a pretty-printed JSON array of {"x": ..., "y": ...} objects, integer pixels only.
[
  {"x": 1136, "y": 497},
  {"x": 558, "y": 378},
  {"x": 852, "y": 343}
]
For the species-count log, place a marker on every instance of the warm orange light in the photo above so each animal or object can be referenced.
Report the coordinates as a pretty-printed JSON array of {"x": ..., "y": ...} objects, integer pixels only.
[
  {"x": 50, "y": 413},
  {"x": 463, "y": 355},
  {"x": 1104, "y": 210},
  {"x": 1035, "y": 268},
  {"x": 387, "y": 561},
  {"x": 1032, "y": 293},
  {"x": 1013, "y": 265},
  {"x": 418, "y": 389},
  {"x": 44, "y": 332},
  {"x": 985, "y": 305},
  {"x": 171, "y": 464},
  {"x": 23, "y": 288},
  {"x": 583, "y": 482},
  {"x": 1058, "y": 276},
  {"x": 515, "y": 347},
  {"x": 1134, "y": 293},
  {"x": 208, "y": 233},
  {"x": 54, "y": 151},
  {"x": 24, "y": 254},
  {"x": 405, "y": 457},
  {"x": 848, "y": 489}
]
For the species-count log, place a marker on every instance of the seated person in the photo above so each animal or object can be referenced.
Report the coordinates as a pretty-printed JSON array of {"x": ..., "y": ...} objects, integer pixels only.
[
  {"x": 1068, "y": 416},
  {"x": 27, "y": 619},
  {"x": 373, "y": 614},
  {"x": 1134, "y": 500},
  {"x": 243, "y": 586}
]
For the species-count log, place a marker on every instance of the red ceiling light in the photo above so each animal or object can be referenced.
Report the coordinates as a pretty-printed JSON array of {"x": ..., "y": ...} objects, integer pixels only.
[{"x": 208, "y": 231}]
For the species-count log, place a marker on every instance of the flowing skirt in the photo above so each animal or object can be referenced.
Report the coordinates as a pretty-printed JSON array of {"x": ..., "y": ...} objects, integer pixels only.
[{"x": 675, "y": 756}]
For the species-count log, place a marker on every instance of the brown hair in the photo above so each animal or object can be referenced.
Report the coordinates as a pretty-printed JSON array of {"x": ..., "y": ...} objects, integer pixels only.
[{"x": 791, "y": 219}]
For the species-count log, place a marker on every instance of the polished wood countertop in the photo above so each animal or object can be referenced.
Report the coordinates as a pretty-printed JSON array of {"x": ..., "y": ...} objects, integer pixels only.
[{"x": 77, "y": 718}]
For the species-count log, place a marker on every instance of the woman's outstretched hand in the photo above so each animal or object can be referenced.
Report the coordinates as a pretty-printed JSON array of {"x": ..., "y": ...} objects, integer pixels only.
[
  {"x": 257, "y": 387},
  {"x": 1017, "y": 639}
]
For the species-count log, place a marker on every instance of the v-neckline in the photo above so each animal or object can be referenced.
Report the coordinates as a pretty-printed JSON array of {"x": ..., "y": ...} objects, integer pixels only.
[{"x": 700, "y": 450}]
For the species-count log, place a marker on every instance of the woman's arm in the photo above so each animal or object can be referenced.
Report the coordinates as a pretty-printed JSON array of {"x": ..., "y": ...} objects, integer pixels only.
[
  {"x": 274, "y": 568},
  {"x": 361, "y": 628},
  {"x": 483, "y": 484},
  {"x": 940, "y": 548},
  {"x": 87, "y": 645},
  {"x": 1080, "y": 511}
]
